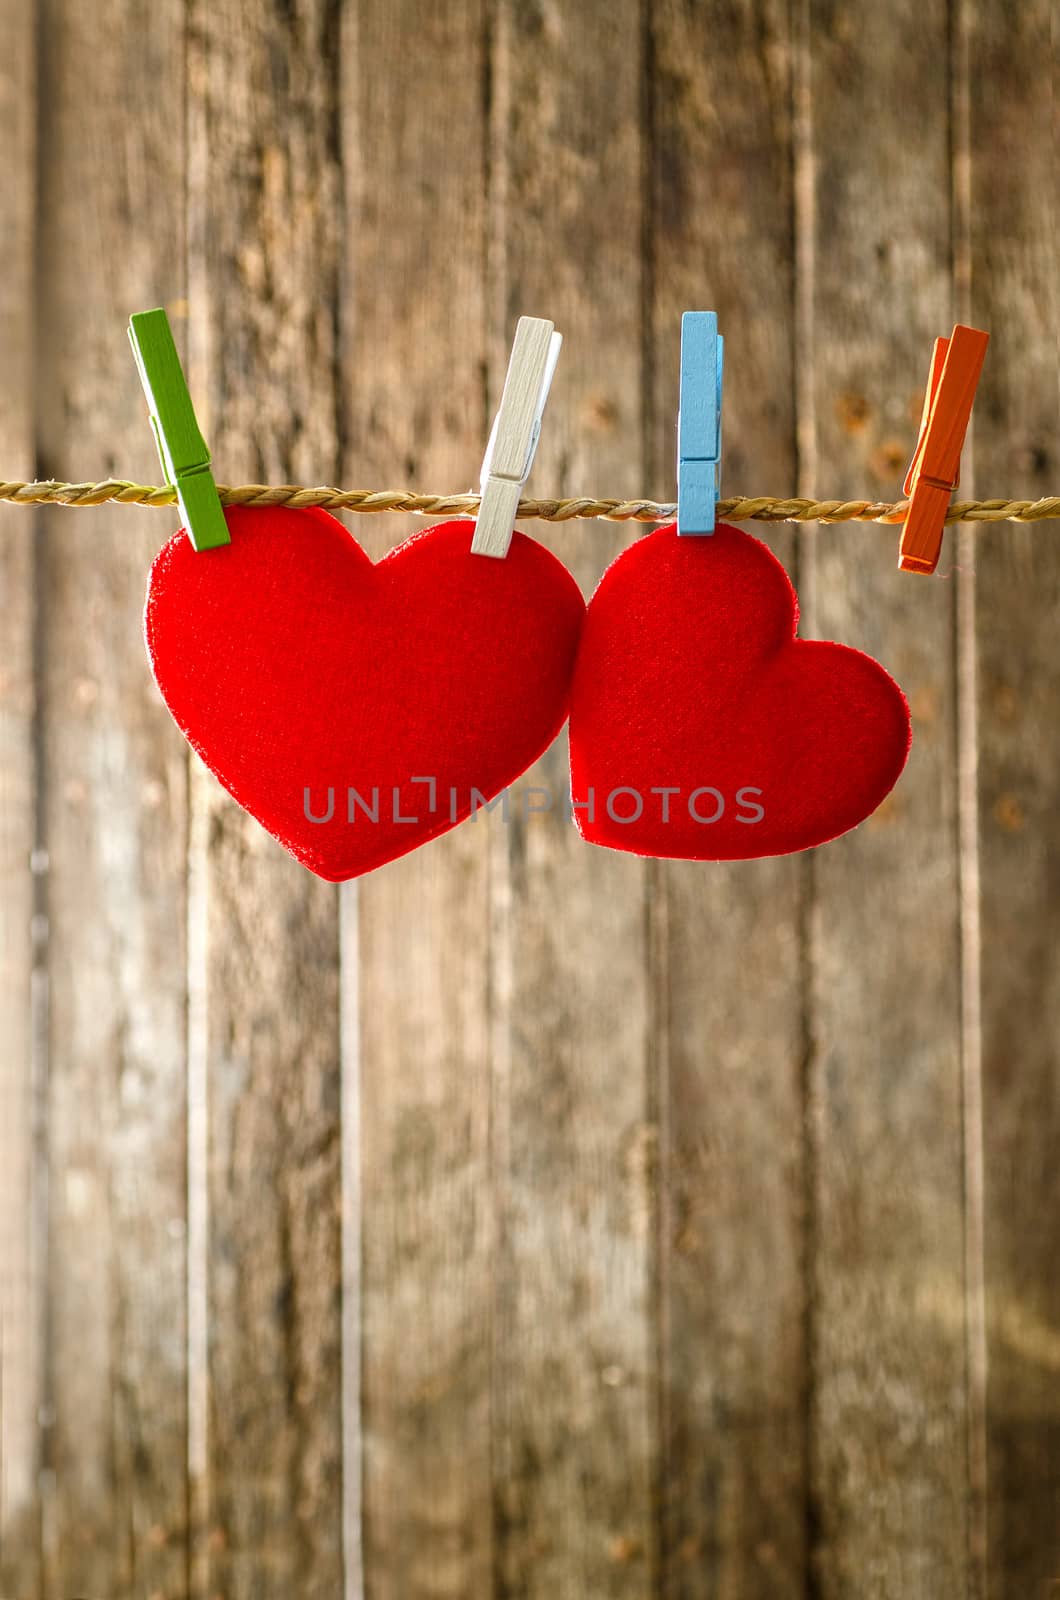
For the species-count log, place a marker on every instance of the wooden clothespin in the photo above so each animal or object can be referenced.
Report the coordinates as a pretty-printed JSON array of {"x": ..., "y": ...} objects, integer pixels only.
[
  {"x": 934, "y": 471},
  {"x": 516, "y": 430},
  {"x": 699, "y": 422},
  {"x": 181, "y": 447}
]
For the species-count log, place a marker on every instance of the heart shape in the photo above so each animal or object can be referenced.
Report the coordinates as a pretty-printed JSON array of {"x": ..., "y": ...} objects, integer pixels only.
[
  {"x": 293, "y": 664},
  {"x": 689, "y": 678}
]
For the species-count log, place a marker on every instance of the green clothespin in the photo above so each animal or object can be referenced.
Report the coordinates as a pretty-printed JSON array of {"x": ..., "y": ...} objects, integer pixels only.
[{"x": 181, "y": 447}]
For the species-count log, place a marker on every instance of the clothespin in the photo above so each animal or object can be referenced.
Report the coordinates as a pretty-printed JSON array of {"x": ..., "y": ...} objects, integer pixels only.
[
  {"x": 181, "y": 447},
  {"x": 699, "y": 422},
  {"x": 934, "y": 471},
  {"x": 516, "y": 430}
]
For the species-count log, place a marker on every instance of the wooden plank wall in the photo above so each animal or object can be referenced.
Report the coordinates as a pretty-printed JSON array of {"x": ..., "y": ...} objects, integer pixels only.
[
  {"x": 889, "y": 1406},
  {"x": 525, "y": 1219},
  {"x": 21, "y": 955},
  {"x": 1012, "y": 233},
  {"x": 264, "y": 1074},
  {"x": 417, "y": 937},
  {"x": 112, "y": 817},
  {"x": 729, "y": 955}
]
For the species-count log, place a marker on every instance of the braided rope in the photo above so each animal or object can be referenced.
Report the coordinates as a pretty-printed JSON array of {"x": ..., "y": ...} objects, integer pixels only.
[{"x": 761, "y": 508}]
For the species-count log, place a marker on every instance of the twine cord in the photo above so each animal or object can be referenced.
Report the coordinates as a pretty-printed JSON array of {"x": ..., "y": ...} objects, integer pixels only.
[{"x": 740, "y": 508}]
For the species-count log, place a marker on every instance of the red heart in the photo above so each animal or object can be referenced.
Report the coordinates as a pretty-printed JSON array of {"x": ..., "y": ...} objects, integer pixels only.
[
  {"x": 689, "y": 676},
  {"x": 292, "y": 663}
]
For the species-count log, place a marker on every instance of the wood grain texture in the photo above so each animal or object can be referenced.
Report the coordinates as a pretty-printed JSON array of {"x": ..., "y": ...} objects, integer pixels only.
[
  {"x": 729, "y": 1027},
  {"x": 114, "y": 1489},
  {"x": 576, "y": 1132},
  {"x": 21, "y": 1289},
  {"x": 413, "y": 370},
  {"x": 1015, "y": 237},
  {"x": 264, "y": 249},
  {"x": 664, "y": 1182},
  {"x": 889, "y": 1445}
]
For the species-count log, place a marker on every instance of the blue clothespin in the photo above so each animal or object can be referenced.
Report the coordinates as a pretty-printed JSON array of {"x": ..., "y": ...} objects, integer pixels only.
[{"x": 699, "y": 422}]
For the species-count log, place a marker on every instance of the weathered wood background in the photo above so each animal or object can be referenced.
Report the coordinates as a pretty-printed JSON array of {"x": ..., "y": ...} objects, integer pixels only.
[{"x": 527, "y": 1220}]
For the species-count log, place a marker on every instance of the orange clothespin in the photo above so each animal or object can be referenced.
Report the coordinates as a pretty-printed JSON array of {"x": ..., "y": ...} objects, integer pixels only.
[{"x": 934, "y": 471}]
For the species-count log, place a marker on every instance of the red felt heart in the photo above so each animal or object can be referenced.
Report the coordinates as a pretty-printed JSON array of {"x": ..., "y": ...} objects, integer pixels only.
[
  {"x": 689, "y": 677},
  {"x": 294, "y": 664}
]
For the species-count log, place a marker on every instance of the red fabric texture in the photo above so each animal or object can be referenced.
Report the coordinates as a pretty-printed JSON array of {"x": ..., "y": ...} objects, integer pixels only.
[
  {"x": 291, "y": 662},
  {"x": 689, "y": 676}
]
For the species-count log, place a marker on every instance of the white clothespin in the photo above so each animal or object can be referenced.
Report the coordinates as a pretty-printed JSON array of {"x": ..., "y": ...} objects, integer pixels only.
[{"x": 516, "y": 430}]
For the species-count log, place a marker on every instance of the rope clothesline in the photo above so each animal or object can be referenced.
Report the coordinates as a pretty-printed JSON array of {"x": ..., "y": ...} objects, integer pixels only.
[{"x": 760, "y": 508}]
